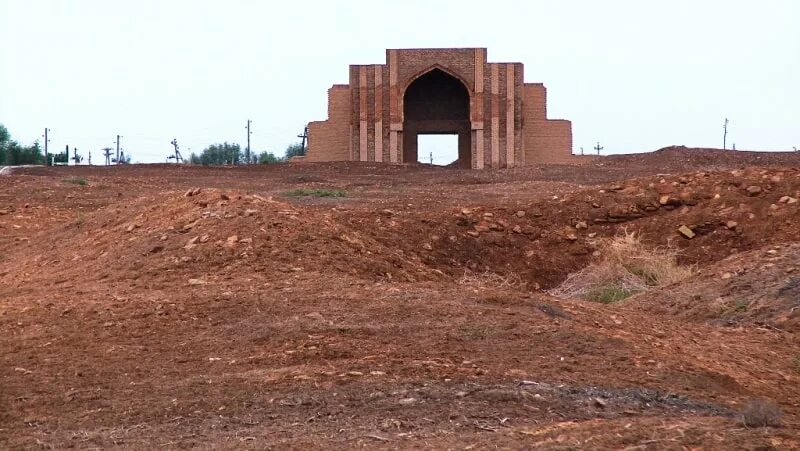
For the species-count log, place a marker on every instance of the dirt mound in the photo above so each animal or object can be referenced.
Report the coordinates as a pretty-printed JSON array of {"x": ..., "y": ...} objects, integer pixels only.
[
  {"x": 254, "y": 314},
  {"x": 208, "y": 236},
  {"x": 759, "y": 287}
]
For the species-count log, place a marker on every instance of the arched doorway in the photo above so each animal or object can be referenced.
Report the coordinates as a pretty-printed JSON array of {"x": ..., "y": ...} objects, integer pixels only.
[{"x": 437, "y": 103}]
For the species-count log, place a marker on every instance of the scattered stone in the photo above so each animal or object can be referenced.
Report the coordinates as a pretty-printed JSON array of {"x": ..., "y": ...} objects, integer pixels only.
[
  {"x": 224, "y": 196},
  {"x": 727, "y": 276},
  {"x": 592, "y": 235},
  {"x": 407, "y": 401},
  {"x": 233, "y": 239},
  {"x": 473, "y": 233},
  {"x": 753, "y": 190},
  {"x": 204, "y": 239},
  {"x": 580, "y": 225},
  {"x": 773, "y": 207},
  {"x": 466, "y": 211},
  {"x": 482, "y": 228},
  {"x": 3, "y": 212},
  {"x": 355, "y": 373},
  {"x": 132, "y": 227},
  {"x": 571, "y": 237},
  {"x": 792, "y": 200},
  {"x": 427, "y": 247},
  {"x": 189, "y": 193},
  {"x": 517, "y": 229},
  {"x": 731, "y": 224},
  {"x": 156, "y": 249},
  {"x": 377, "y": 373},
  {"x": 599, "y": 402},
  {"x": 250, "y": 212},
  {"x": 164, "y": 238},
  {"x": 191, "y": 244},
  {"x": 784, "y": 200},
  {"x": 521, "y": 214},
  {"x": 717, "y": 196},
  {"x": 488, "y": 215},
  {"x": 595, "y": 205},
  {"x": 196, "y": 282},
  {"x": 686, "y": 232},
  {"x": 496, "y": 227}
]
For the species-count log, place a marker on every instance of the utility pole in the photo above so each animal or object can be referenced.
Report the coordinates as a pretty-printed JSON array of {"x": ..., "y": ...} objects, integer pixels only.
[
  {"x": 76, "y": 158},
  {"x": 304, "y": 136},
  {"x": 66, "y": 152},
  {"x": 46, "y": 140},
  {"x": 118, "y": 137},
  {"x": 90, "y": 158},
  {"x": 725, "y": 135},
  {"x": 598, "y": 147},
  {"x": 178, "y": 157},
  {"x": 107, "y": 153},
  {"x": 247, "y": 154}
]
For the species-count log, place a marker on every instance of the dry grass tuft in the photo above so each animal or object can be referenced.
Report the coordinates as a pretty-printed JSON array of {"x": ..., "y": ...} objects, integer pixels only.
[
  {"x": 627, "y": 267},
  {"x": 761, "y": 413},
  {"x": 490, "y": 279}
]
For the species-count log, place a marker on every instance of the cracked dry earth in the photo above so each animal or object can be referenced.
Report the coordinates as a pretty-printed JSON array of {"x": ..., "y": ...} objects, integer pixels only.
[{"x": 186, "y": 307}]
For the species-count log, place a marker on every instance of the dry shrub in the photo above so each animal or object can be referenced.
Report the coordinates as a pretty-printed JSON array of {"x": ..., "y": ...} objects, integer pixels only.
[
  {"x": 627, "y": 267},
  {"x": 761, "y": 413},
  {"x": 490, "y": 279}
]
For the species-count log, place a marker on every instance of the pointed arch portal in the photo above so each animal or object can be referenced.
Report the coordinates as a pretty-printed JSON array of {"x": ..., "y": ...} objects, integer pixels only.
[{"x": 437, "y": 103}]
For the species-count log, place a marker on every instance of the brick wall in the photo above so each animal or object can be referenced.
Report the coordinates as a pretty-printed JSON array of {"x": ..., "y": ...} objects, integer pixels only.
[
  {"x": 546, "y": 140},
  {"x": 508, "y": 118},
  {"x": 330, "y": 140}
]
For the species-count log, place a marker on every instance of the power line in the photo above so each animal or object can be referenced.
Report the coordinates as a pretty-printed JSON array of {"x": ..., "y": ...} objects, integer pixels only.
[
  {"x": 177, "y": 157},
  {"x": 725, "y": 135},
  {"x": 107, "y": 153},
  {"x": 305, "y": 137},
  {"x": 118, "y": 137},
  {"x": 46, "y": 140},
  {"x": 248, "y": 140}
]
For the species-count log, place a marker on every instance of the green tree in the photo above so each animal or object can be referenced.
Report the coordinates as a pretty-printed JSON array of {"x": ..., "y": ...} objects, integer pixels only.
[
  {"x": 295, "y": 150},
  {"x": 13, "y": 153},
  {"x": 225, "y": 153},
  {"x": 268, "y": 158},
  {"x": 5, "y": 137}
]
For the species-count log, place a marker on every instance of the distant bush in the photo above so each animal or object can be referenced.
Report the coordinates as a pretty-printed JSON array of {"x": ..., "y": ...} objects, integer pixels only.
[
  {"x": 303, "y": 192},
  {"x": 627, "y": 267},
  {"x": 761, "y": 413},
  {"x": 77, "y": 181},
  {"x": 268, "y": 158}
]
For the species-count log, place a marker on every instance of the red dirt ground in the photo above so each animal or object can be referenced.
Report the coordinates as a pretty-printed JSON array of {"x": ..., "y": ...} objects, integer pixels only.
[{"x": 411, "y": 313}]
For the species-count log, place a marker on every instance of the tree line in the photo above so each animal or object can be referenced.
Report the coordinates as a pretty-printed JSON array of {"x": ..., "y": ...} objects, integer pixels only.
[
  {"x": 13, "y": 153},
  {"x": 231, "y": 153}
]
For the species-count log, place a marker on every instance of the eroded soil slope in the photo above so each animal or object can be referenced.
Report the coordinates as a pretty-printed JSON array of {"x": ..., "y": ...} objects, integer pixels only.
[{"x": 205, "y": 307}]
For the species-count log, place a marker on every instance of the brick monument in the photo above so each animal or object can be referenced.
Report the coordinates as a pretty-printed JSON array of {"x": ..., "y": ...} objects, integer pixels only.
[{"x": 500, "y": 120}]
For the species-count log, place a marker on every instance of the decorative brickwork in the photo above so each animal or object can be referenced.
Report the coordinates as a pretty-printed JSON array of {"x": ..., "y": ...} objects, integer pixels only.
[{"x": 500, "y": 120}]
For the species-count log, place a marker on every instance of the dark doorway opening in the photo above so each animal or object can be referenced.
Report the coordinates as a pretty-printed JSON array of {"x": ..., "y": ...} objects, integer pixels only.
[{"x": 436, "y": 104}]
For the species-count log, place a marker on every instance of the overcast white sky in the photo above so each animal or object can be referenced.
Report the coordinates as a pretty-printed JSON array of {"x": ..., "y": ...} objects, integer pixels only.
[{"x": 634, "y": 75}]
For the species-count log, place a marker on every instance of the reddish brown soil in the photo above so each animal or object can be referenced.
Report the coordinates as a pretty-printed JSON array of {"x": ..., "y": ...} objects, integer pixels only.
[{"x": 409, "y": 314}]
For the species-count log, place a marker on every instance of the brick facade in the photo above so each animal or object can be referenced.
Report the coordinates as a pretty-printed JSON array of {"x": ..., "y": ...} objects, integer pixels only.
[{"x": 501, "y": 121}]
